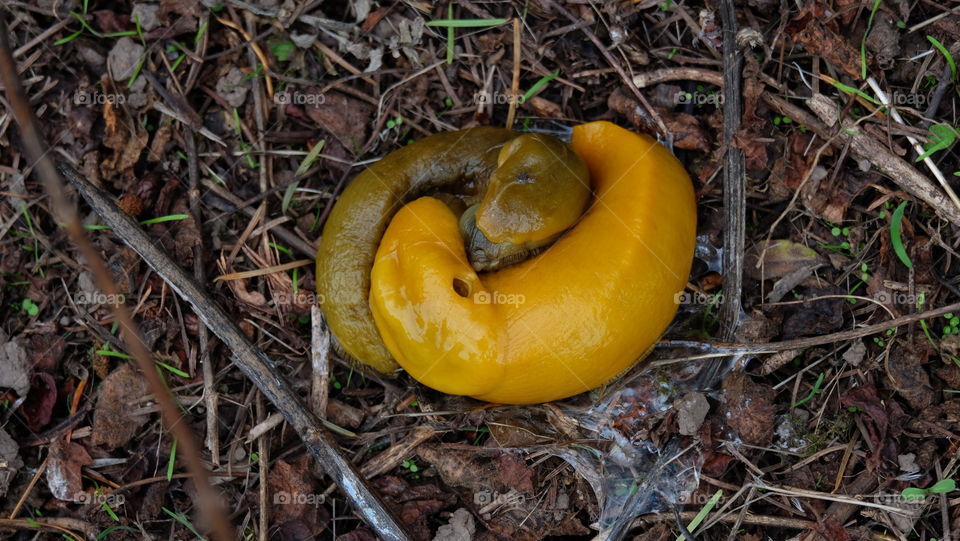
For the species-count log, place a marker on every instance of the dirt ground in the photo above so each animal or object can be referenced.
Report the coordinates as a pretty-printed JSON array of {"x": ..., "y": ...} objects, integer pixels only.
[{"x": 809, "y": 387}]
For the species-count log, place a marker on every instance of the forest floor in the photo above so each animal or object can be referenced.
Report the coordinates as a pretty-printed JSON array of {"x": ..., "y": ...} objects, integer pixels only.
[{"x": 810, "y": 390}]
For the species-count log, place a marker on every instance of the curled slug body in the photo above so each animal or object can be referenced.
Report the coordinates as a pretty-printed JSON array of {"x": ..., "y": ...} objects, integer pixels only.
[
  {"x": 559, "y": 323},
  {"x": 531, "y": 187}
]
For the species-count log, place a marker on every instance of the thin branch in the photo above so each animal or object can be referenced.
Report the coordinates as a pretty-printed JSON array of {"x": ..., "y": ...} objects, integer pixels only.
[
  {"x": 734, "y": 175},
  {"x": 866, "y": 147},
  {"x": 46, "y": 172},
  {"x": 917, "y": 147},
  {"x": 250, "y": 360}
]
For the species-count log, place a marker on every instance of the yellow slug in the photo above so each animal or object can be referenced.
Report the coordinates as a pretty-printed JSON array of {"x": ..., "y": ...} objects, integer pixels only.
[
  {"x": 526, "y": 189},
  {"x": 559, "y": 323}
]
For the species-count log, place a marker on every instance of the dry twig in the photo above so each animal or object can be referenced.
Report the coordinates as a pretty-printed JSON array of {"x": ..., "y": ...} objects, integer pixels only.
[
  {"x": 251, "y": 361},
  {"x": 45, "y": 170}
]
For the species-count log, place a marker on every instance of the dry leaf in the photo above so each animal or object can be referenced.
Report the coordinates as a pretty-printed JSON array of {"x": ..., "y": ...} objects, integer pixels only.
[
  {"x": 63, "y": 470},
  {"x": 113, "y": 421}
]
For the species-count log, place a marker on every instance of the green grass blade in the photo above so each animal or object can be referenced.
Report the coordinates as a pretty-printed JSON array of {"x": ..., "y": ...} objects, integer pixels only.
[
  {"x": 161, "y": 219},
  {"x": 538, "y": 85},
  {"x": 896, "y": 224},
  {"x": 863, "y": 42},
  {"x": 301, "y": 170},
  {"x": 183, "y": 520},
  {"x": 466, "y": 23},
  {"x": 173, "y": 458},
  {"x": 851, "y": 90},
  {"x": 69, "y": 38},
  {"x": 704, "y": 511},
  {"x": 173, "y": 370},
  {"x": 946, "y": 54},
  {"x": 109, "y": 353},
  {"x": 283, "y": 249},
  {"x": 112, "y": 529}
]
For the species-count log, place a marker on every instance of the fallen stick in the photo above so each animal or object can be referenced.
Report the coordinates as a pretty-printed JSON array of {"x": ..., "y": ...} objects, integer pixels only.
[
  {"x": 868, "y": 148},
  {"x": 734, "y": 176},
  {"x": 250, "y": 360},
  {"x": 43, "y": 168},
  {"x": 862, "y": 146}
]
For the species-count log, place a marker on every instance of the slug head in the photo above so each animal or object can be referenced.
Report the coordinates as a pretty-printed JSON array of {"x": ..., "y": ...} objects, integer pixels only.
[
  {"x": 486, "y": 255},
  {"x": 540, "y": 188}
]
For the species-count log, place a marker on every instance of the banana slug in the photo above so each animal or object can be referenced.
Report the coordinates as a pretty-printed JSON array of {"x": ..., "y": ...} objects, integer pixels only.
[
  {"x": 525, "y": 190},
  {"x": 559, "y": 323}
]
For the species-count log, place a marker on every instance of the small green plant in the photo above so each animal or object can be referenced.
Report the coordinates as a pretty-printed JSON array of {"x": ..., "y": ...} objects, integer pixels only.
[
  {"x": 167, "y": 218},
  {"x": 847, "y": 89},
  {"x": 829, "y": 431},
  {"x": 887, "y": 207},
  {"x": 312, "y": 155},
  {"x": 452, "y": 24},
  {"x": 29, "y": 307},
  {"x": 173, "y": 370},
  {"x": 942, "y": 486},
  {"x": 839, "y": 232},
  {"x": 411, "y": 466},
  {"x": 283, "y": 49},
  {"x": 864, "y": 277},
  {"x": 952, "y": 326},
  {"x": 481, "y": 432},
  {"x": 777, "y": 120},
  {"x": 295, "y": 272},
  {"x": 394, "y": 122},
  {"x": 882, "y": 342},
  {"x": 942, "y": 136},
  {"x": 466, "y": 23}
]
